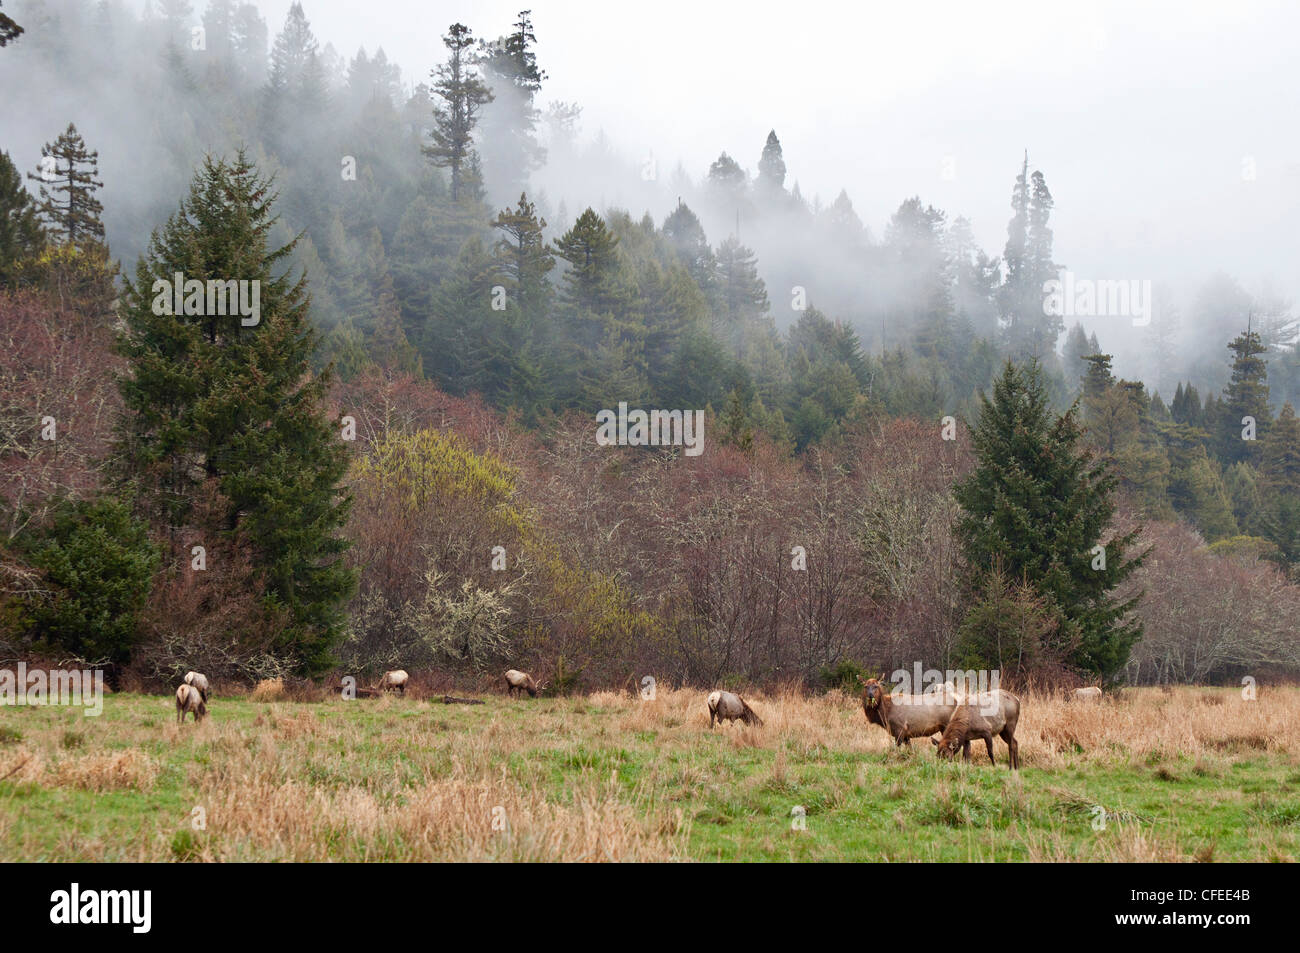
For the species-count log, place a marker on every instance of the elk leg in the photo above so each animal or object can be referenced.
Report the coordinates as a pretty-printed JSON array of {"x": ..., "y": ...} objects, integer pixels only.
[{"x": 988, "y": 743}]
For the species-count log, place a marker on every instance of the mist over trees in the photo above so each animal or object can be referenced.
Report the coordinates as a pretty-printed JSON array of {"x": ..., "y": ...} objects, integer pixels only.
[{"x": 454, "y": 267}]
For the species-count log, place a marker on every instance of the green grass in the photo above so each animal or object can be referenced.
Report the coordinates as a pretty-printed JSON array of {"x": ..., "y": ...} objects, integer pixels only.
[{"x": 735, "y": 792}]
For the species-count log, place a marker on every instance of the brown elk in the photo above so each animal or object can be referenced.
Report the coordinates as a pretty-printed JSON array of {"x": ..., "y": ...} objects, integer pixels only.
[
  {"x": 199, "y": 681},
  {"x": 394, "y": 681},
  {"x": 517, "y": 681},
  {"x": 906, "y": 717},
  {"x": 728, "y": 706},
  {"x": 189, "y": 699},
  {"x": 984, "y": 715}
]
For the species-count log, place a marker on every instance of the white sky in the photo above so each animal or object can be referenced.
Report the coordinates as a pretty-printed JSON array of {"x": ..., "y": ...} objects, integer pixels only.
[{"x": 1142, "y": 115}]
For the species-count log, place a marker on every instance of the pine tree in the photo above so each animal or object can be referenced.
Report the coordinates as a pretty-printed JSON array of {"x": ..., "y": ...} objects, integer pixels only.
[
  {"x": 1029, "y": 331},
  {"x": 726, "y": 183},
  {"x": 1075, "y": 351},
  {"x": 228, "y": 401},
  {"x": 21, "y": 234},
  {"x": 463, "y": 94},
  {"x": 686, "y": 235},
  {"x": 1034, "y": 508},
  {"x": 1245, "y": 396},
  {"x": 511, "y": 149},
  {"x": 740, "y": 296},
  {"x": 771, "y": 168},
  {"x": 1279, "y": 485},
  {"x": 67, "y": 189},
  {"x": 591, "y": 251},
  {"x": 9, "y": 30},
  {"x": 523, "y": 256}
]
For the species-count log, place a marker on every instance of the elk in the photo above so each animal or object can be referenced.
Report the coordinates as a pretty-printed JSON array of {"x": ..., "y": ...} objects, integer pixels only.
[
  {"x": 394, "y": 681},
  {"x": 517, "y": 681},
  {"x": 189, "y": 699},
  {"x": 1090, "y": 694},
  {"x": 198, "y": 681},
  {"x": 984, "y": 715},
  {"x": 725, "y": 705},
  {"x": 906, "y": 717}
]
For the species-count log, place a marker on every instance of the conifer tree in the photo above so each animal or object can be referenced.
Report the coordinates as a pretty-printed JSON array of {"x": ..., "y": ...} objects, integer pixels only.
[
  {"x": 1035, "y": 506},
  {"x": 1279, "y": 484},
  {"x": 67, "y": 189},
  {"x": 463, "y": 94},
  {"x": 9, "y": 30},
  {"x": 590, "y": 248},
  {"x": 511, "y": 149},
  {"x": 771, "y": 168},
  {"x": 1246, "y": 395},
  {"x": 228, "y": 401},
  {"x": 21, "y": 234}
]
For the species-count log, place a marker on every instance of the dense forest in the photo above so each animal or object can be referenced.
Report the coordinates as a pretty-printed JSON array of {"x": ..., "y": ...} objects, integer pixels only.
[{"x": 908, "y": 455}]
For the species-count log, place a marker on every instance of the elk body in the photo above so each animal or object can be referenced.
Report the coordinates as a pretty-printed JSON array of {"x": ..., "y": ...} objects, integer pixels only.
[
  {"x": 517, "y": 681},
  {"x": 394, "y": 681},
  {"x": 198, "y": 681},
  {"x": 906, "y": 717},
  {"x": 984, "y": 715},
  {"x": 728, "y": 706},
  {"x": 189, "y": 699},
  {"x": 1090, "y": 694}
]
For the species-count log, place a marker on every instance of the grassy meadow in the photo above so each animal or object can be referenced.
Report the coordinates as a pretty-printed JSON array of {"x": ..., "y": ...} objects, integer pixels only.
[{"x": 1187, "y": 775}]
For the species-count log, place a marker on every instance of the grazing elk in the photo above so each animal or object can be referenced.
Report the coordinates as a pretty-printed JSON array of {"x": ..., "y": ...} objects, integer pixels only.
[
  {"x": 1090, "y": 694},
  {"x": 198, "y": 681},
  {"x": 394, "y": 681},
  {"x": 189, "y": 699},
  {"x": 517, "y": 681},
  {"x": 995, "y": 712},
  {"x": 728, "y": 706},
  {"x": 906, "y": 717}
]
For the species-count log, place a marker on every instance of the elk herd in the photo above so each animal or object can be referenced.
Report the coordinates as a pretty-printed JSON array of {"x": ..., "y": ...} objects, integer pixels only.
[{"x": 957, "y": 718}]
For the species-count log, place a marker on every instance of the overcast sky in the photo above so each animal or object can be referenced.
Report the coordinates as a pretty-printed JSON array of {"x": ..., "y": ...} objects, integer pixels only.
[{"x": 1146, "y": 118}]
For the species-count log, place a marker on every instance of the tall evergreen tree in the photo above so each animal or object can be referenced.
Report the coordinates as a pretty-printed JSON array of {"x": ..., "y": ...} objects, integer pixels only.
[
  {"x": 1246, "y": 395},
  {"x": 9, "y": 30},
  {"x": 1029, "y": 331},
  {"x": 463, "y": 94},
  {"x": 511, "y": 150},
  {"x": 21, "y": 235},
  {"x": 227, "y": 401},
  {"x": 771, "y": 168},
  {"x": 67, "y": 189},
  {"x": 1034, "y": 508},
  {"x": 1279, "y": 485}
]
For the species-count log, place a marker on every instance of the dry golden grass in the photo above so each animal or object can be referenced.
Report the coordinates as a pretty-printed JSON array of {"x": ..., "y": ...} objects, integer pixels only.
[
  {"x": 269, "y": 690},
  {"x": 120, "y": 769}
]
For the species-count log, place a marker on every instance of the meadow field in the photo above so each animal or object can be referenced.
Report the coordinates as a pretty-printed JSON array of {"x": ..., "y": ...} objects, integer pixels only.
[{"x": 1185, "y": 775}]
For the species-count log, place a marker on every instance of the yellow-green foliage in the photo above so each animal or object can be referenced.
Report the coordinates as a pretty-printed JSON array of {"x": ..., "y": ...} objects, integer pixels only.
[{"x": 431, "y": 468}]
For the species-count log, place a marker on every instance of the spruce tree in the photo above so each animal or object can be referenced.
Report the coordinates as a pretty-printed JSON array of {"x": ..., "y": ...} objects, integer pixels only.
[
  {"x": 590, "y": 248},
  {"x": 771, "y": 168},
  {"x": 9, "y": 30},
  {"x": 228, "y": 402},
  {"x": 510, "y": 121},
  {"x": 463, "y": 94},
  {"x": 1034, "y": 508},
  {"x": 21, "y": 235},
  {"x": 67, "y": 189},
  {"x": 523, "y": 255},
  {"x": 1246, "y": 395},
  {"x": 1279, "y": 486}
]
